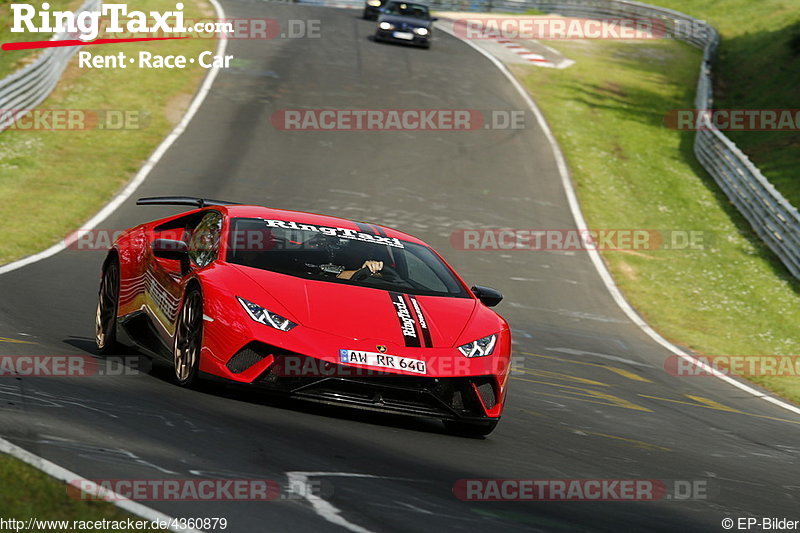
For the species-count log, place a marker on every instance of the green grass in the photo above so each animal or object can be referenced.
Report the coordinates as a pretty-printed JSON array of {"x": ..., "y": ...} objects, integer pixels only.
[
  {"x": 606, "y": 112},
  {"x": 28, "y": 493},
  {"x": 79, "y": 171},
  {"x": 758, "y": 66},
  {"x": 11, "y": 61}
]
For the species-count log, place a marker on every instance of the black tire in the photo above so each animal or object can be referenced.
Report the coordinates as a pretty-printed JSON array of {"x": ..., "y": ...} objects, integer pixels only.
[
  {"x": 188, "y": 339},
  {"x": 469, "y": 429},
  {"x": 105, "y": 323}
]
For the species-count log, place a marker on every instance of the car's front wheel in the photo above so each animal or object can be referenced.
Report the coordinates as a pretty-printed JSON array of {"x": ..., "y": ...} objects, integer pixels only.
[
  {"x": 470, "y": 429},
  {"x": 188, "y": 338},
  {"x": 105, "y": 324}
]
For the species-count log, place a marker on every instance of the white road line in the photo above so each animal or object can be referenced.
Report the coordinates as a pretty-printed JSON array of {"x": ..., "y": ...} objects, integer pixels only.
[
  {"x": 322, "y": 507},
  {"x": 594, "y": 255},
  {"x": 616, "y": 358},
  {"x": 92, "y": 488},
  {"x": 38, "y": 462}
]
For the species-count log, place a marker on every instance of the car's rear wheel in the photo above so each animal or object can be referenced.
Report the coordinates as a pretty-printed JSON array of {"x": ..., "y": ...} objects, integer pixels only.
[
  {"x": 188, "y": 339},
  {"x": 107, "y": 305},
  {"x": 469, "y": 429}
]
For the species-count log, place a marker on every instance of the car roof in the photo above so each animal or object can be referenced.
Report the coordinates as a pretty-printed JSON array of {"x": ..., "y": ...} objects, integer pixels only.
[{"x": 301, "y": 217}]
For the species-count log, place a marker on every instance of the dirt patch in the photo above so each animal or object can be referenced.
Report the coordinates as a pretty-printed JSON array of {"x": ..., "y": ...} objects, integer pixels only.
[{"x": 176, "y": 107}]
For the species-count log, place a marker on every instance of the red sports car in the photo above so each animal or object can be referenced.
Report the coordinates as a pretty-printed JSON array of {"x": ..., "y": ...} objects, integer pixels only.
[{"x": 320, "y": 307}]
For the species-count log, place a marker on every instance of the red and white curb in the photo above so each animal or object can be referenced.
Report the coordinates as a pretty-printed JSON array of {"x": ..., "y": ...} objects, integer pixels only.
[{"x": 525, "y": 54}]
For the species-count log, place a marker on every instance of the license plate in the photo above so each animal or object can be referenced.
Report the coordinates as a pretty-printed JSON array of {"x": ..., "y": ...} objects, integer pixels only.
[
  {"x": 382, "y": 360},
  {"x": 403, "y": 35}
]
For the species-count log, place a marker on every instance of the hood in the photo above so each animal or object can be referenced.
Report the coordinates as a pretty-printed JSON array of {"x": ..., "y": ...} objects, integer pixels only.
[
  {"x": 401, "y": 20},
  {"x": 365, "y": 313}
]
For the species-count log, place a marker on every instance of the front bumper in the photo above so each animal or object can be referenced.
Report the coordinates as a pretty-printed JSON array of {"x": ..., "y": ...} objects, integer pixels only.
[
  {"x": 388, "y": 36},
  {"x": 460, "y": 396},
  {"x": 474, "y": 398}
]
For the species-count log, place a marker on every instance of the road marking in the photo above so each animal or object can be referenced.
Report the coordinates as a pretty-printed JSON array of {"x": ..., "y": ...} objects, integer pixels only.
[
  {"x": 594, "y": 255},
  {"x": 596, "y": 396},
  {"x": 564, "y": 377},
  {"x": 67, "y": 476},
  {"x": 636, "y": 443},
  {"x": 322, "y": 507},
  {"x": 616, "y": 358},
  {"x": 619, "y": 371},
  {"x": 711, "y": 404},
  {"x": 628, "y": 374},
  {"x": 15, "y": 341}
]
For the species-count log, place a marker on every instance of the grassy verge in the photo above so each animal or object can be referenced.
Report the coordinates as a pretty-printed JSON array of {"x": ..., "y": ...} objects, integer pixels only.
[
  {"x": 757, "y": 69},
  {"x": 28, "y": 493},
  {"x": 11, "y": 61},
  {"x": 630, "y": 171},
  {"x": 78, "y": 171}
]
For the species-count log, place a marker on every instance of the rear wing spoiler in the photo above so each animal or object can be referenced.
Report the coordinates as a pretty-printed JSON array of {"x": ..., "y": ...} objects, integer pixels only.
[{"x": 182, "y": 200}]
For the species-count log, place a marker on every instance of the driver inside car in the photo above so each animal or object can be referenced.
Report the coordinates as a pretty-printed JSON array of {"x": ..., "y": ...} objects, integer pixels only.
[{"x": 370, "y": 265}]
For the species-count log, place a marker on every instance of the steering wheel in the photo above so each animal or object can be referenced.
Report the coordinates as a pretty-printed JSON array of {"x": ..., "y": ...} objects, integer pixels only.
[{"x": 387, "y": 273}]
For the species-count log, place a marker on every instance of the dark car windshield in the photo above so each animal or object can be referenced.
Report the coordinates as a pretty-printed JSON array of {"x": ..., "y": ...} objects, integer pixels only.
[
  {"x": 338, "y": 255},
  {"x": 418, "y": 11}
]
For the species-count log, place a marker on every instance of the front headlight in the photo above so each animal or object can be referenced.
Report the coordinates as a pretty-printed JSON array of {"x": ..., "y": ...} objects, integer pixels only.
[
  {"x": 480, "y": 347},
  {"x": 374, "y": 3},
  {"x": 421, "y": 31},
  {"x": 265, "y": 316},
  {"x": 386, "y": 25}
]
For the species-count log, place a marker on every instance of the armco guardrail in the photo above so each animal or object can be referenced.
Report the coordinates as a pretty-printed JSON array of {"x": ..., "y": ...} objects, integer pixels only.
[
  {"x": 775, "y": 221},
  {"x": 30, "y": 85}
]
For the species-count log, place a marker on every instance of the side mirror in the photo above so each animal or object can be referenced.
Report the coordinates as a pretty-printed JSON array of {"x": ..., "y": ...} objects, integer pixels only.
[
  {"x": 488, "y": 296},
  {"x": 172, "y": 249},
  {"x": 434, "y": 19}
]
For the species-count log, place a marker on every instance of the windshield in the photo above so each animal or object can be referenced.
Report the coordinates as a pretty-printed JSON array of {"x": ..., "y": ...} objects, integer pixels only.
[
  {"x": 407, "y": 10},
  {"x": 340, "y": 255}
]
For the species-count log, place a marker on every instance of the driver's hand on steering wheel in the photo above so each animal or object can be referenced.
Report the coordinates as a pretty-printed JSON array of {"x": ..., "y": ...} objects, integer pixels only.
[{"x": 373, "y": 266}]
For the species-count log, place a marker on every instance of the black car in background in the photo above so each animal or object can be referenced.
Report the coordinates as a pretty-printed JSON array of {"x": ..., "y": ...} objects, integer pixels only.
[
  {"x": 372, "y": 9},
  {"x": 405, "y": 22}
]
